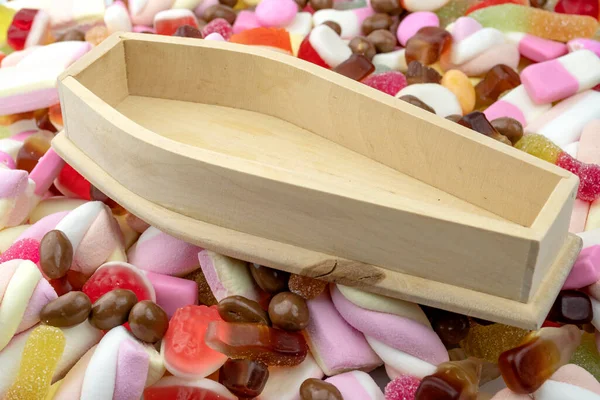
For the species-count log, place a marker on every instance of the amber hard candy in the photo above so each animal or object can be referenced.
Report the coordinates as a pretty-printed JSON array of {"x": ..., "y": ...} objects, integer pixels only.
[
  {"x": 240, "y": 309},
  {"x": 148, "y": 321},
  {"x": 274, "y": 347},
  {"x": 244, "y": 378},
  {"x": 453, "y": 380},
  {"x": 68, "y": 310},
  {"x": 427, "y": 45},
  {"x": 451, "y": 327},
  {"x": 56, "y": 254},
  {"x": 316, "y": 389},
  {"x": 112, "y": 309}
]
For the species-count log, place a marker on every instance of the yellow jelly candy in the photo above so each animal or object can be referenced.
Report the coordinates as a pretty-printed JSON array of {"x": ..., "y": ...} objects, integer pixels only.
[
  {"x": 539, "y": 146},
  {"x": 586, "y": 355},
  {"x": 6, "y": 17},
  {"x": 488, "y": 342},
  {"x": 460, "y": 84},
  {"x": 42, "y": 352}
]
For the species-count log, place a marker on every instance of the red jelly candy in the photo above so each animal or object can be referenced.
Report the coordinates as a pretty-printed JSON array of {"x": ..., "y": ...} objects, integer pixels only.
[
  {"x": 220, "y": 26},
  {"x": 61, "y": 285},
  {"x": 72, "y": 184},
  {"x": 589, "y": 176},
  {"x": 183, "y": 347},
  {"x": 307, "y": 52},
  {"x": 390, "y": 82},
  {"x": 24, "y": 249},
  {"x": 20, "y": 27},
  {"x": 167, "y": 22},
  {"x": 579, "y": 7},
  {"x": 172, "y": 387},
  {"x": 490, "y": 3},
  {"x": 118, "y": 275},
  {"x": 403, "y": 387}
]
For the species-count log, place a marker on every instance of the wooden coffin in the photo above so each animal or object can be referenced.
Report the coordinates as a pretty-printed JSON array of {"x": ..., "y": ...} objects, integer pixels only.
[{"x": 264, "y": 157}]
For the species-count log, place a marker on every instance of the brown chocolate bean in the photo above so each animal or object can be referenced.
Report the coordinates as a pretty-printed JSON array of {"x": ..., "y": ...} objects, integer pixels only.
[
  {"x": 509, "y": 127},
  {"x": 321, "y": 4},
  {"x": 391, "y": 7},
  {"x": 334, "y": 25},
  {"x": 375, "y": 22},
  {"x": 241, "y": 309},
  {"x": 268, "y": 279},
  {"x": 219, "y": 11},
  {"x": 409, "y": 98},
  {"x": 363, "y": 46},
  {"x": 148, "y": 321},
  {"x": 68, "y": 310},
  {"x": 288, "y": 311},
  {"x": 112, "y": 309},
  {"x": 56, "y": 254},
  {"x": 383, "y": 40},
  {"x": 316, "y": 389},
  {"x": 244, "y": 378}
]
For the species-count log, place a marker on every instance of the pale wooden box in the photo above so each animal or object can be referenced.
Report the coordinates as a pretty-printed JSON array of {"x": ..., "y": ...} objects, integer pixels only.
[{"x": 265, "y": 157}]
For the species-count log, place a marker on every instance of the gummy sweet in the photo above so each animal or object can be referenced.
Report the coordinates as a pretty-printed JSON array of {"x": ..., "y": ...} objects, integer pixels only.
[
  {"x": 41, "y": 355},
  {"x": 403, "y": 387},
  {"x": 117, "y": 276},
  {"x": 427, "y": 45},
  {"x": 453, "y": 380},
  {"x": 498, "y": 80},
  {"x": 587, "y": 356},
  {"x": 488, "y": 342},
  {"x": 24, "y": 249}
]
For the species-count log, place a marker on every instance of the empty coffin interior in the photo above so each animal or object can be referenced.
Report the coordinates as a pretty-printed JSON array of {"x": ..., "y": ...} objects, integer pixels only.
[{"x": 434, "y": 194}]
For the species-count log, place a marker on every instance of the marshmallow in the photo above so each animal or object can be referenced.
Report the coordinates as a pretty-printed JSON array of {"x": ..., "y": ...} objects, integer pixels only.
[
  {"x": 411, "y": 24},
  {"x": 518, "y": 105},
  {"x": 442, "y": 100},
  {"x": 475, "y": 44},
  {"x": 395, "y": 60},
  {"x": 143, "y": 11},
  {"x": 117, "y": 19},
  {"x": 424, "y": 5},
  {"x": 582, "y": 43},
  {"x": 301, "y": 25},
  {"x": 173, "y": 293},
  {"x": 328, "y": 46},
  {"x": 132, "y": 370},
  {"x": 9, "y": 235},
  {"x": 155, "y": 251},
  {"x": 464, "y": 27},
  {"x": 247, "y": 20},
  {"x": 586, "y": 269},
  {"x": 590, "y": 238},
  {"x": 337, "y": 346},
  {"x": 284, "y": 382},
  {"x": 276, "y": 13},
  {"x": 356, "y": 385},
  {"x": 564, "y": 123},
  {"x": 558, "y": 79},
  {"x": 52, "y": 205},
  {"x": 349, "y": 20},
  {"x": 536, "y": 48},
  {"x": 227, "y": 276},
  {"x": 505, "y": 53},
  {"x": 206, "y": 388}
]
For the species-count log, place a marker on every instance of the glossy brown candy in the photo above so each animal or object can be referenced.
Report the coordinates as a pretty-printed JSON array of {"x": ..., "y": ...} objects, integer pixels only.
[
  {"x": 409, "y": 98},
  {"x": 383, "y": 40},
  {"x": 526, "y": 367},
  {"x": 97, "y": 195},
  {"x": 363, "y": 46},
  {"x": 148, "y": 321},
  {"x": 375, "y": 22},
  {"x": 268, "y": 279},
  {"x": 306, "y": 287},
  {"x": 244, "y": 378},
  {"x": 357, "y": 67},
  {"x": 112, "y": 309},
  {"x": 72, "y": 35},
  {"x": 273, "y": 347},
  {"x": 188, "y": 31},
  {"x": 334, "y": 25},
  {"x": 316, "y": 389},
  {"x": 454, "y": 117},
  {"x": 228, "y": 3},
  {"x": 427, "y": 45},
  {"x": 478, "y": 122},
  {"x": 34, "y": 147},
  {"x": 301, "y": 4},
  {"x": 498, "y": 80},
  {"x": 391, "y": 7},
  {"x": 320, "y": 4},
  {"x": 219, "y": 11},
  {"x": 419, "y": 73},
  {"x": 451, "y": 327},
  {"x": 571, "y": 307},
  {"x": 56, "y": 254},
  {"x": 43, "y": 123},
  {"x": 288, "y": 311},
  {"x": 509, "y": 127},
  {"x": 452, "y": 380},
  {"x": 241, "y": 309},
  {"x": 68, "y": 310}
]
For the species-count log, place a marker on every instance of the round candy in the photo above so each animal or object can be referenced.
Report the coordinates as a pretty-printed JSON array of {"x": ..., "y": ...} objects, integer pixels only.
[
  {"x": 241, "y": 309},
  {"x": 316, "y": 389},
  {"x": 321, "y": 4},
  {"x": 277, "y": 13},
  {"x": 56, "y": 254},
  {"x": 363, "y": 46},
  {"x": 375, "y": 22},
  {"x": 68, "y": 310},
  {"x": 459, "y": 84},
  {"x": 219, "y": 11},
  {"x": 288, "y": 311},
  {"x": 148, "y": 322},
  {"x": 268, "y": 279},
  {"x": 509, "y": 127},
  {"x": 383, "y": 40},
  {"x": 119, "y": 275},
  {"x": 112, "y": 309}
]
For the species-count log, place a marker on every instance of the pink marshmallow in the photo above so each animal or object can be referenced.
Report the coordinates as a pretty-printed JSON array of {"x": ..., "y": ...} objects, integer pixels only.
[
  {"x": 13, "y": 182},
  {"x": 173, "y": 293},
  {"x": 502, "y": 109},
  {"x": 581, "y": 43},
  {"x": 575, "y": 375},
  {"x": 155, "y": 251},
  {"x": 245, "y": 20},
  {"x": 132, "y": 371},
  {"x": 336, "y": 346},
  {"x": 216, "y": 37},
  {"x": 464, "y": 27},
  {"x": 143, "y": 28},
  {"x": 398, "y": 332},
  {"x": 579, "y": 216},
  {"x": 356, "y": 385},
  {"x": 276, "y": 13},
  {"x": 14, "y": 58},
  {"x": 46, "y": 171},
  {"x": 413, "y": 22},
  {"x": 7, "y": 270},
  {"x": 42, "y": 295},
  {"x": 43, "y": 226},
  {"x": 537, "y": 49},
  {"x": 142, "y": 12},
  {"x": 586, "y": 269},
  {"x": 7, "y": 160},
  {"x": 199, "y": 11}
]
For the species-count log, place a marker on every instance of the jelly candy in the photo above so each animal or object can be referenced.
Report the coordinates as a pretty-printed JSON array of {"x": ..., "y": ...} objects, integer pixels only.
[
  {"x": 172, "y": 387},
  {"x": 43, "y": 350},
  {"x": 453, "y": 10},
  {"x": 479, "y": 123},
  {"x": 541, "y": 23},
  {"x": 305, "y": 286},
  {"x": 357, "y": 67},
  {"x": 257, "y": 342},
  {"x": 275, "y": 38},
  {"x": 419, "y": 73},
  {"x": 29, "y": 28},
  {"x": 118, "y": 275},
  {"x": 6, "y": 17},
  {"x": 34, "y": 147},
  {"x": 571, "y": 307},
  {"x": 459, "y": 84},
  {"x": 220, "y": 26},
  {"x": 427, "y": 45},
  {"x": 489, "y": 3},
  {"x": 183, "y": 347},
  {"x": 72, "y": 184},
  {"x": 587, "y": 356},
  {"x": 24, "y": 249},
  {"x": 403, "y": 387},
  {"x": 497, "y": 81},
  {"x": 453, "y": 380},
  {"x": 488, "y": 342},
  {"x": 390, "y": 82},
  {"x": 450, "y": 327},
  {"x": 166, "y": 22},
  {"x": 579, "y": 7},
  {"x": 539, "y": 146},
  {"x": 244, "y": 378},
  {"x": 526, "y": 367}
]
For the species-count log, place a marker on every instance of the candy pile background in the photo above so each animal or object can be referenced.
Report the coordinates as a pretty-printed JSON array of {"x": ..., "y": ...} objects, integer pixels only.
[{"x": 97, "y": 304}]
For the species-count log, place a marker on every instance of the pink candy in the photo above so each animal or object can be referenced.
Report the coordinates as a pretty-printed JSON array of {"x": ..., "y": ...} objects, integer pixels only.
[
  {"x": 586, "y": 269},
  {"x": 413, "y": 22},
  {"x": 219, "y": 26},
  {"x": 536, "y": 48},
  {"x": 24, "y": 249},
  {"x": 276, "y": 13},
  {"x": 403, "y": 387},
  {"x": 390, "y": 82}
]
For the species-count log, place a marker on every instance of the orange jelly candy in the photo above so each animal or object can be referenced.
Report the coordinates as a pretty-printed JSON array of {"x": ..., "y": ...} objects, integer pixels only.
[{"x": 275, "y": 38}]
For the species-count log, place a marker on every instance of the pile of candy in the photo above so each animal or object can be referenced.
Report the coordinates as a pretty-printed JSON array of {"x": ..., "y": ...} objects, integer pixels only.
[{"x": 96, "y": 304}]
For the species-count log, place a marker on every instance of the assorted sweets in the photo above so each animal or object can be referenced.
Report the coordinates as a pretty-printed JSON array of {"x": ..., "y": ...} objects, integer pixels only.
[{"x": 97, "y": 304}]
